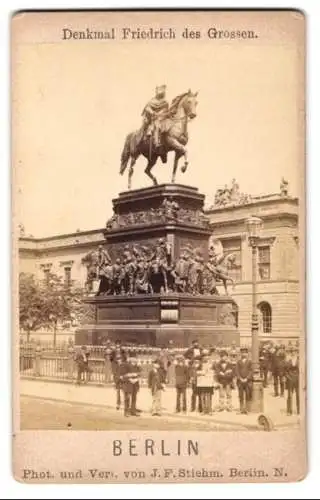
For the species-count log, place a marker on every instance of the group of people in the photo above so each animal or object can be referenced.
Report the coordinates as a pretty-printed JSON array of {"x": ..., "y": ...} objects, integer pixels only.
[
  {"x": 206, "y": 371},
  {"x": 281, "y": 365},
  {"x": 141, "y": 270}
]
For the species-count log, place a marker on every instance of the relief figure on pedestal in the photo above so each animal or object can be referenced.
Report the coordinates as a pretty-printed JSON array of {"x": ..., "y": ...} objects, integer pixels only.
[
  {"x": 217, "y": 268},
  {"x": 160, "y": 266},
  {"x": 140, "y": 269}
]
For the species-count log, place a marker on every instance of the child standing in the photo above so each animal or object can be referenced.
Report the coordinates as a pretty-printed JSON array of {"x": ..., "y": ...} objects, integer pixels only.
[
  {"x": 205, "y": 383},
  {"x": 156, "y": 383}
]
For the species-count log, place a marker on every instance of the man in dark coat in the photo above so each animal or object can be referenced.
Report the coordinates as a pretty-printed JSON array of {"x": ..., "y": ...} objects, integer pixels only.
[
  {"x": 292, "y": 379},
  {"x": 118, "y": 349},
  {"x": 244, "y": 376},
  {"x": 182, "y": 379},
  {"x": 130, "y": 377},
  {"x": 194, "y": 352},
  {"x": 195, "y": 395},
  {"x": 117, "y": 371},
  {"x": 264, "y": 365},
  {"x": 278, "y": 370}
]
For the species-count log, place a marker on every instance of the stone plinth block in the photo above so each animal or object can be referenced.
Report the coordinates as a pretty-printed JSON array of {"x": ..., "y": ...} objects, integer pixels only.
[
  {"x": 170, "y": 215},
  {"x": 156, "y": 319}
]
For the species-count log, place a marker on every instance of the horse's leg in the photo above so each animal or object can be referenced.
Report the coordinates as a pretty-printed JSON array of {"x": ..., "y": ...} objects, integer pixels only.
[
  {"x": 165, "y": 281},
  {"x": 180, "y": 150},
  {"x": 131, "y": 170},
  {"x": 225, "y": 286},
  {"x": 177, "y": 156},
  {"x": 151, "y": 164}
]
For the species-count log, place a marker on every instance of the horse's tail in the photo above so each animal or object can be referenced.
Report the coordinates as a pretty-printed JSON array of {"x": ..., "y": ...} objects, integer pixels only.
[{"x": 126, "y": 153}]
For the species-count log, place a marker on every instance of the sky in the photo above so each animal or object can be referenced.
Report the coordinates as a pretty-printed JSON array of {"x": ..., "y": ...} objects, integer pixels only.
[{"x": 75, "y": 102}]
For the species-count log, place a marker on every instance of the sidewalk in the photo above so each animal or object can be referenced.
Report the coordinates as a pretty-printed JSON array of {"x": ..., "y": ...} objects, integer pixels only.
[{"x": 274, "y": 408}]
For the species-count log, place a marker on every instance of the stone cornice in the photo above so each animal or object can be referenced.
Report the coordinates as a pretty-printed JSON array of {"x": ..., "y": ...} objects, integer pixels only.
[
  {"x": 222, "y": 217},
  {"x": 283, "y": 219},
  {"x": 156, "y": 229}
]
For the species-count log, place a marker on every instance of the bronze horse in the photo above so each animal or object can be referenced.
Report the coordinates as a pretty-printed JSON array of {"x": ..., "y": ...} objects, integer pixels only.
[
  {"x": 174, "y": 137},
  {"x": 221, "y": 271}
]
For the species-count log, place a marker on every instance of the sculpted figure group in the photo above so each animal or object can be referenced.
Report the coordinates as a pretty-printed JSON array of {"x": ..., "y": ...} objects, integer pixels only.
[
  {"x": 144, "y": 270},
  {"x": 168, "y": 212},
  {"x": 230, "y": 196}
]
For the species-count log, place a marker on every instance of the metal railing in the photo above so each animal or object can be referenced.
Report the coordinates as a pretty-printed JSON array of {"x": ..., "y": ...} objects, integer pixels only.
[{"x": 44, "y": 361}]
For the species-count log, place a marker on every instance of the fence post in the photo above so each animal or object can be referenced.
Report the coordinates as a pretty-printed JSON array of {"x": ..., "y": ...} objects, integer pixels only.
[
  {"x": 70, "y": 361},
  {"x": 37, "y": 360}
]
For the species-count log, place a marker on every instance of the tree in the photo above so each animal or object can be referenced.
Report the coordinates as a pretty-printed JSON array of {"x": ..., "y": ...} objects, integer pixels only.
[
  {"x": 60, "y": 300},
  {"x": 30, "y": 304}
]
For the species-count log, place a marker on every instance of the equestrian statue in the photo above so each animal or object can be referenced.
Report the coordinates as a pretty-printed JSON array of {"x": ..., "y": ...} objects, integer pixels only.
[{"x": 164, "y": 129}]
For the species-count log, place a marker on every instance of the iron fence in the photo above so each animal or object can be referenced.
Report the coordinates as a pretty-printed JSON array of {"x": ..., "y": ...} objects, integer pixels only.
[{"x": 45, "y": 361}]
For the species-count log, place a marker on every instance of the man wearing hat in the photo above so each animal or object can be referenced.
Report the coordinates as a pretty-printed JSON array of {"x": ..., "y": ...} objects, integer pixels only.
[
  {"x": 224, "y": 376},
  {"x": 130, "y": 378},
  {"x": 152, "y": 113},
  {"x": 116, "y": 370},
  {"x": 278, "y": 369},
  {"x": 118, "y": 350},
  {"x": 194, "y": 352},
  {"x": 292, "y": 379},
  {"x": 182, "y": 379},
  {"x": 244, "y": 376},
  {"x": 264, "y": 364}
]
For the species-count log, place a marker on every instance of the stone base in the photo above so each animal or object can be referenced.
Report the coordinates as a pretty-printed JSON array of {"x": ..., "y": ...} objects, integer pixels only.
[
  {"x": 156, "y": 319},
  {"x": 157, "y": 337}
]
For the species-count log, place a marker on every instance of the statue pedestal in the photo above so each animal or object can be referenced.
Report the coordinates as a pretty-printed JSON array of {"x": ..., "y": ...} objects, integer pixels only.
[
  {"x": 155, "y": 319},
  {"x": 141, "y": 217}
]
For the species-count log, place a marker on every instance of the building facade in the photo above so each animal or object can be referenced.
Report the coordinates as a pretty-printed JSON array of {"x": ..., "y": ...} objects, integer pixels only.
[{"x": 278, "y": 273}]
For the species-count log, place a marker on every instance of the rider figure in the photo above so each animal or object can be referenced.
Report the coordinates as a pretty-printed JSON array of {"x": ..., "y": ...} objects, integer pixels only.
[
  {"x": 103, "y": 260},
  {"x": 152, "y": 112}
]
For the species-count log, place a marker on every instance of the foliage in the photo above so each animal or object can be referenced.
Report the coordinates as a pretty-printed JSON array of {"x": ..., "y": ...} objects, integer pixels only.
[
  {"x": 30, "y": 303},
  {"x": 47, "y": 304}
]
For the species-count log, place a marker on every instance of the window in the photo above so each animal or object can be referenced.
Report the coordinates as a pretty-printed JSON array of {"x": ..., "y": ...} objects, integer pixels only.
[
  {"x": 67, "y": 276},
  {"x": 265, "y": 317},
  {"x": 264, "y": 262},
  {"x": 233, "y": 245}
]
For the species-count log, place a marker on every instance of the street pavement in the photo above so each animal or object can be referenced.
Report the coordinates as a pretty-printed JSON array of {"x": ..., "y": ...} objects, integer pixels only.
[
  {"x": 104, "y": 397},
  {"x": 38, "y": 413}
]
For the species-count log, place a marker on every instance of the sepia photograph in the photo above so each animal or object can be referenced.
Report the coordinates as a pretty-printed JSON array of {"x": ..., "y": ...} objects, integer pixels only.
[{"x": 158, "y": 184}]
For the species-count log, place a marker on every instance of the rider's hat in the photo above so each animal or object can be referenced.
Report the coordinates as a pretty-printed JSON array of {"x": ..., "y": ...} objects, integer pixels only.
[{"x": 160, "y": 89}]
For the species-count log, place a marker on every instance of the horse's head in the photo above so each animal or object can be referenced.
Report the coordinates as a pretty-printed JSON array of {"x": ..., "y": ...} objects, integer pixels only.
[
  {"x": 187, "y": 102},
  {"x": 190, "y": 104}
]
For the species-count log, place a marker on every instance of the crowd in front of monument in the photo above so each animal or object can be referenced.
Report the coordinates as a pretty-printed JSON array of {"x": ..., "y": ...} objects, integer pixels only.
[{"x": 212, "y": 374}]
